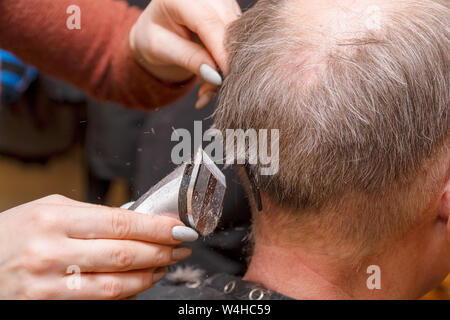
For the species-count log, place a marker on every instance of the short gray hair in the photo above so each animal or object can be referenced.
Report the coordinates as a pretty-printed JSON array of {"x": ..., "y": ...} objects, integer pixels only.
[{"x": 359, "y": 113}]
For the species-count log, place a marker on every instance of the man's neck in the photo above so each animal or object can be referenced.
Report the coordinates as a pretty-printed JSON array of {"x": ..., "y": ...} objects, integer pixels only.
[
  {"x": 299, "y": 274},
  {"x": 289, "y": 272}
]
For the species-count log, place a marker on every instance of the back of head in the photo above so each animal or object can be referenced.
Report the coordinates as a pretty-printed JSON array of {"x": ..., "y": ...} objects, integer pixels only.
[{"x": 360, "y": 93}]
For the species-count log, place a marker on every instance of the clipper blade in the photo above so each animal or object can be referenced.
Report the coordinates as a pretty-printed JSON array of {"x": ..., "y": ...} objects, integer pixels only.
[{"x": 202, "y": 194}]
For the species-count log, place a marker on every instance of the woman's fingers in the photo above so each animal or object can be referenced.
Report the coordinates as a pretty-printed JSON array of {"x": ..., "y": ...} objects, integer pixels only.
[
  {"x": 179, "y": 51},
  {"x": 60, "y": 236},
  {"x": 207, "y": 87},
  {"x": 208, "y": 20},
  {"x": 99, "y": 222},
  {"x": 104, "y": 255},
  {"x": 206, "y": 94},
  {"x": 110, "y": 285},
  {"x": 172, "y": 39},
  {"x": 205, "y": 99}
]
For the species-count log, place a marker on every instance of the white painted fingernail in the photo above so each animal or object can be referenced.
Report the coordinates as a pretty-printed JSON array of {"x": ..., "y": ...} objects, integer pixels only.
[
  {"x": 182, "y": 233},
  {"x": 210, "y": 75}
]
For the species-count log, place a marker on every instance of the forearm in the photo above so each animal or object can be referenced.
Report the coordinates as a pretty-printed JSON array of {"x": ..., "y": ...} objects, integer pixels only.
[{"x": 97, "y": 58}]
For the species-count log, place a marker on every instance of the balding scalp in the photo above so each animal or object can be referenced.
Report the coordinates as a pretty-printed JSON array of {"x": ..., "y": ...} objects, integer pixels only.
[{"x": 359, "y": 112}]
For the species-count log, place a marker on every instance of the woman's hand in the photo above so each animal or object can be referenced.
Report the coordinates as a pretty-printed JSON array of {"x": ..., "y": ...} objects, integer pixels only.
[
  {"x": 175, "y": 39},
  {"x": 118, "y": 253}
]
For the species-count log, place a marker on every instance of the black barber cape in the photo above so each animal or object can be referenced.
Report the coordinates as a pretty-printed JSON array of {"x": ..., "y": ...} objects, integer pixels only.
[{"x": 217, "y": 287}]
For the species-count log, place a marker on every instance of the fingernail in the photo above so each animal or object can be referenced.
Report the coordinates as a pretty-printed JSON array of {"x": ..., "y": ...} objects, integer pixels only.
[
  {"x": 184, "y": 234},
  {"x": 181, "y": 253},
  {"x": 210, "y": 75},
  {"x": 204, "y": 100},
  {"x": 159, "y": 273}
]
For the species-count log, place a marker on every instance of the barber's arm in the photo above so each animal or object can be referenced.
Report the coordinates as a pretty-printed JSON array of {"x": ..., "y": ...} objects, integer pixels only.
[
  {"x": 144, "y": 70},
  {"x": 119, "y": 253}
]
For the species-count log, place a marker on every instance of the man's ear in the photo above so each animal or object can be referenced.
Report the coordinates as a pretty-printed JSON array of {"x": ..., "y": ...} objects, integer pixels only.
[{"x": 444, "y": 208}]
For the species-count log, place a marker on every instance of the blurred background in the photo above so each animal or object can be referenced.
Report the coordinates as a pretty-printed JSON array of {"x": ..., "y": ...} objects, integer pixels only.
[{"x": 54, "y": 139}]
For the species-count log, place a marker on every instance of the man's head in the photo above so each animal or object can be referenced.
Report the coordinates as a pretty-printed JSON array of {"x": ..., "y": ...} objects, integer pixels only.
[{"x": 360, "y": 91}]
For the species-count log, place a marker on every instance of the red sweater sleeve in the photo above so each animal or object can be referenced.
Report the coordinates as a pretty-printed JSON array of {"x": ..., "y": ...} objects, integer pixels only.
[{"x": 97, "y": 58}]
